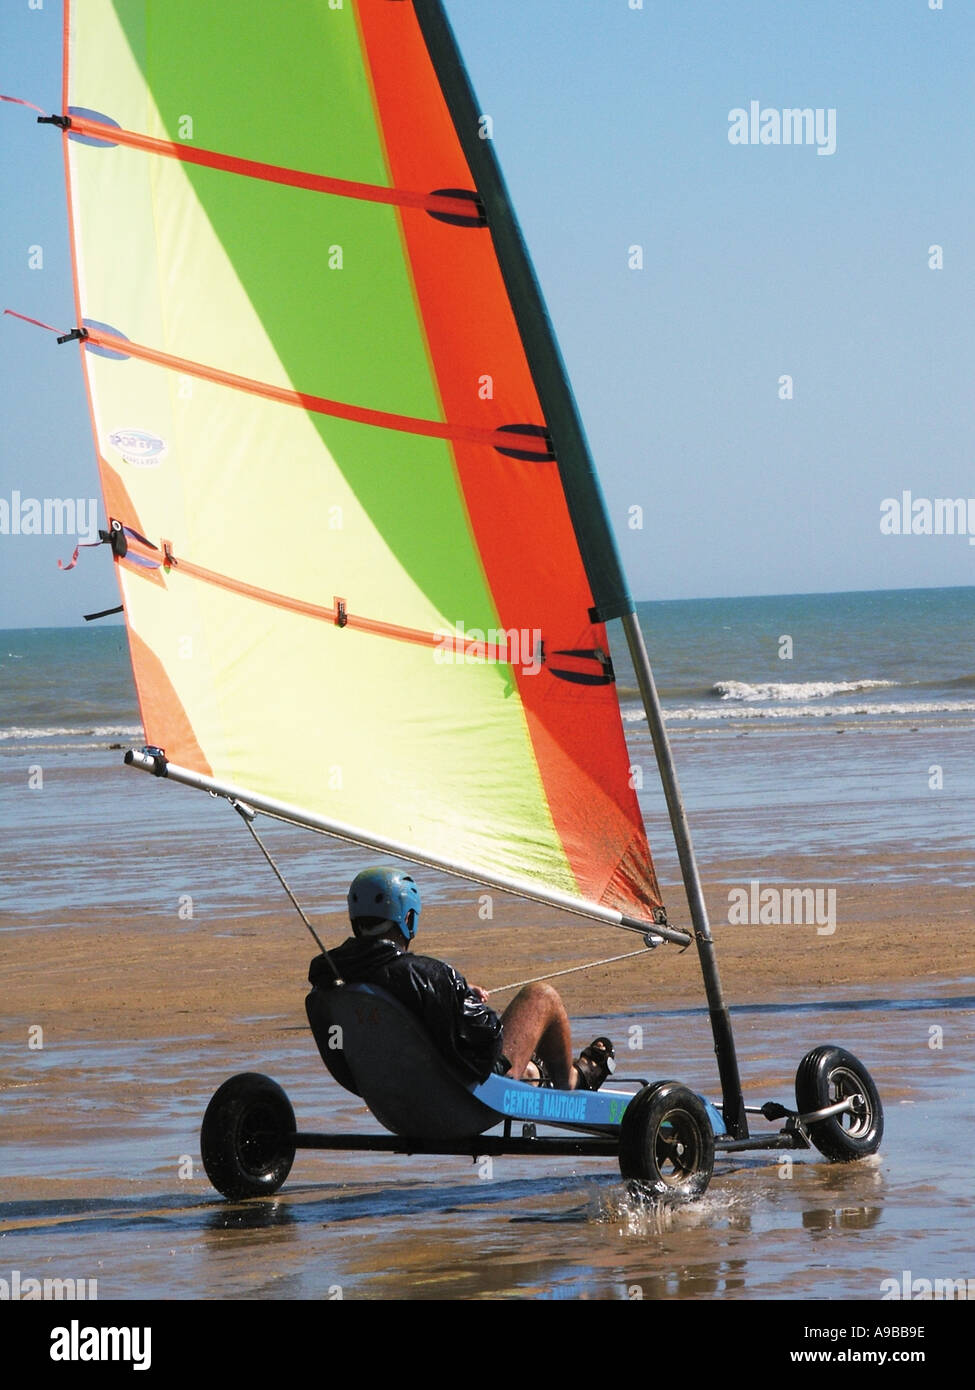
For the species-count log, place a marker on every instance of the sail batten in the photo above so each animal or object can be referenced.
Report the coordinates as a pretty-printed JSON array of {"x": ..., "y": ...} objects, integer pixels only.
[
  {"x": 389, "y": 615},
  {"x": 497, "y": 438},
  {"x": 442, "y": 203},
  {"x": 449, "y": 644}
]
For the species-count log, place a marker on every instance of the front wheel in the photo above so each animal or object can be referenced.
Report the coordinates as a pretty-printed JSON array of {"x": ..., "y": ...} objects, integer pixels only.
[
  {"x": 667, "y": 1143},
  {"x": 828, "y": 1075},
  {"x": 246, "y": 1139}
]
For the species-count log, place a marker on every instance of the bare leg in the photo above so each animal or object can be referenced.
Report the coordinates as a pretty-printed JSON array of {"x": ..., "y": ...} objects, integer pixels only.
[{"x": 536, "y": 1021}]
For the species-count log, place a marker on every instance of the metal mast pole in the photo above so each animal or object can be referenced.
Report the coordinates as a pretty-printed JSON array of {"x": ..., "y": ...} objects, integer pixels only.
[{"x": 733, "y": 1105}]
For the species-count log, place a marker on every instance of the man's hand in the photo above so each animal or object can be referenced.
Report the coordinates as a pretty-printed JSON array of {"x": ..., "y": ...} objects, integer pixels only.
[{"x": 482, "y": 994}]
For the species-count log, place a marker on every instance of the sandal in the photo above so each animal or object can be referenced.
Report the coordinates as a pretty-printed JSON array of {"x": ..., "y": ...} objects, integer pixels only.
[
  {"x": 544, "y": 1077},
  {"x": 595, "y": 1063}
]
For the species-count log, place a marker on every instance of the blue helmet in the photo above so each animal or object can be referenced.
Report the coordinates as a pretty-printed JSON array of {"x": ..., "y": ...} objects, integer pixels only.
[{"x": 380, "y": 896}]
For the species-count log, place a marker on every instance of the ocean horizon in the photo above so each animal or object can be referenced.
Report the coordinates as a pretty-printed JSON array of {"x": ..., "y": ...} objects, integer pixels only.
[{"x": 901, "y": 656}]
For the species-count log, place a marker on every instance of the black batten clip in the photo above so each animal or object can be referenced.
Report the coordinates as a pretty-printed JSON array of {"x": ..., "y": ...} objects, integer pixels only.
[
  {"x": 545, "y": 453},
  {"x": 603, "y": 659},
  {"x": 116, "y": 539},
  {"x": 63, "y": 121},
  {"x": 477, "y": 217},
  {"x": 341, "y": 613},
  {"x": 80, "y": 333}
]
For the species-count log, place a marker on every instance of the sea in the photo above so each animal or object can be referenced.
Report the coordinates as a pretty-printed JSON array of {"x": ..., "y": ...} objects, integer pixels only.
[{"x": 837, "y": 726}]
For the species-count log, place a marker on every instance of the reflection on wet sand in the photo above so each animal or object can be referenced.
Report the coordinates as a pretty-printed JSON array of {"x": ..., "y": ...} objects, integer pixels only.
[{"x": 362, "y": 1225}]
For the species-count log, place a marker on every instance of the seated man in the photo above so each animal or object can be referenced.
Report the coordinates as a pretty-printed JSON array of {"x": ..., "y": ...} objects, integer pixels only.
[{"x": 531, "y": 1038}]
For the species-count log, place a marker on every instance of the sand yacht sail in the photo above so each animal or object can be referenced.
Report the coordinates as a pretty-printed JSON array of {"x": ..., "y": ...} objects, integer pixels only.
[{"x": 364, "y": 559}]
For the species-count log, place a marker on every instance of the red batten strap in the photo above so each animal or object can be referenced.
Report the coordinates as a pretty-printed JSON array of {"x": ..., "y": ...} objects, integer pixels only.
[
  {"x": 176, "y": 565},
  {"x": 407, "y": 424},
  {"x": 271, "y": 173},
  {"x": 255, "y": 169}
]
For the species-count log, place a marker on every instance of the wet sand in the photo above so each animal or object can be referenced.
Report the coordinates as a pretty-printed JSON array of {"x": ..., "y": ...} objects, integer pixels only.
[
  {"x": 141, "y": 1022},
  {"x": 99, "y": 1196},
  {"x": 231, "y": 979}
]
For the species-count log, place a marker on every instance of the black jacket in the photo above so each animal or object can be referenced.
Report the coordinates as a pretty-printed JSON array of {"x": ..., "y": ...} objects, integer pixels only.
[{"x": 463, "y": 1029}]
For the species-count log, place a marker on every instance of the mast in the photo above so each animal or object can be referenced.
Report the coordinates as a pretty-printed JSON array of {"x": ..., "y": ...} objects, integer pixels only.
[
  {"x": 584, "y": 497},
  {"x": 733, "y": 1104}
]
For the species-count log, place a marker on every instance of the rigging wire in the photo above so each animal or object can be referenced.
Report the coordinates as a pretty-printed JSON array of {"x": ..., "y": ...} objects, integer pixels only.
[
  {"x": 499, "y": 989},
  {"x": 248, "y": 816}
]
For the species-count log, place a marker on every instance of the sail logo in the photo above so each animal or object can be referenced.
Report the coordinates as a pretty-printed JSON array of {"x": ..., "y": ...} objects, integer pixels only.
[
  {"x": 756, "y": 906},
  {"x": 473, "y": 646},
  {"x": 793, "y": 125},
  {"x": 139, "y": 447},
  {"x": 908, "y": 515}
]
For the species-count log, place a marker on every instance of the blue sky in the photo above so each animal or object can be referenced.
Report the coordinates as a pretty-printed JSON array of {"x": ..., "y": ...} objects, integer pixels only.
[{"x": 611, "y": 124}]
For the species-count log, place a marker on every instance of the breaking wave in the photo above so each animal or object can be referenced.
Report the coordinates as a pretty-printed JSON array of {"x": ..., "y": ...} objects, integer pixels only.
[
  {"x": 87, "y": 731},
  {"x": 793, "y": 690},
  {"x": 796, "y": 711}
]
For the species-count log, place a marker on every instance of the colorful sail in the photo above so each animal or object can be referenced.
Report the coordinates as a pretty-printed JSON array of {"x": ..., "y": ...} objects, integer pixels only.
[{"x": 365, "y": 569}]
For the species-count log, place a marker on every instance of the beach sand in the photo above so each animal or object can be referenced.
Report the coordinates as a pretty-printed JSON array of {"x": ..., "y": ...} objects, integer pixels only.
[
  {"x": 233, "y": 989},
  {"x": 143, "y": 1018},
  {"x": 158, "y": 977}
]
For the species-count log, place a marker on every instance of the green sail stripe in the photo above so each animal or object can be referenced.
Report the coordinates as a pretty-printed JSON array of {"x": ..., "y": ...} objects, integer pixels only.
[
  {"x": 328, "y": 326},
  {"x": 248, "y": 471},
  {"x": 244, "y": 75}
]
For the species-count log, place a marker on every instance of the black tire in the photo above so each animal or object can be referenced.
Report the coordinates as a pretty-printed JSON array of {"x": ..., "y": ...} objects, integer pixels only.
[
  {"x": 667, "y": 1143},
  {"x": 244, "y": 1139},
  {"x": 830, "y": 1074}
]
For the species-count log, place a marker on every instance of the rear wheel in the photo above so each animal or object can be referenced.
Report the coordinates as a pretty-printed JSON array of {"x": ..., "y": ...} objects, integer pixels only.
[
  {"x": 247, "y": 1137},
  {"x": 828, "y": 1075},
  {"x": 667, "y": 1143}
]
